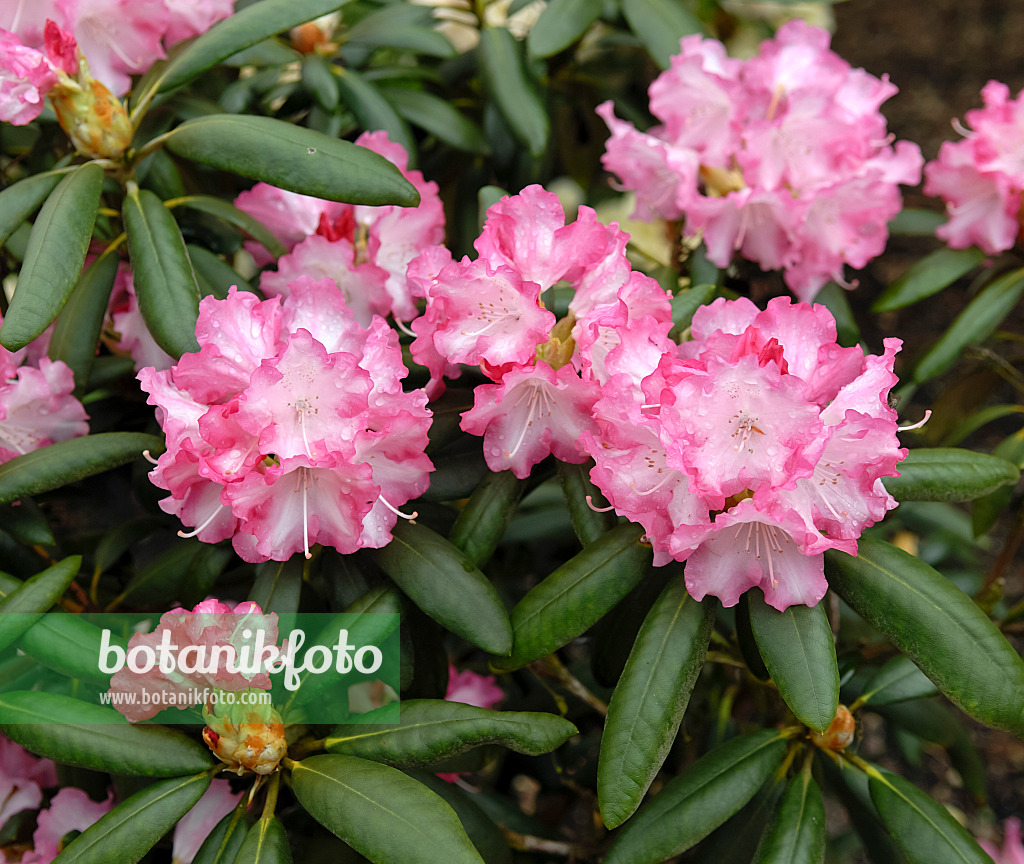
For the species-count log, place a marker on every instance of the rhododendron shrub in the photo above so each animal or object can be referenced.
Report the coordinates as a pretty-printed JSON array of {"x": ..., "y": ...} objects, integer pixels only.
[
  {"x": 783, "y": 158},
  {"x": 289, "y": 427}
]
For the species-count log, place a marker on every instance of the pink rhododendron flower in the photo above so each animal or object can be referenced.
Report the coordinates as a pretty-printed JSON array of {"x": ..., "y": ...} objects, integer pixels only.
[
  {"x": 37, "y": 405},
  {"x": 783, "y": 158},
  {"x": 127, "y": 326},
  {"x": 547, "y": 373},
  {"x": 26, "y": 76},
  {"x": 364, "y": 250},
  {"x": 1012, "y": 851},
  {"x": 70, "y": 810},
  {"x": 289, "y": 426},
  {"x": 187, "y": 18},
  {"x": 22, "y": 779},
  {"x": 750, "y": 450},
  {"x": 981, "y": 176},
  {"x": 472, "y": 688},
  {"x": 195, "y": 826}
]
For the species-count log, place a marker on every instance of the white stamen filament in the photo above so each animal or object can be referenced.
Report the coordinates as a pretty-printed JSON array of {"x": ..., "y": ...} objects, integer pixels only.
[
  {"x": 538, "y": 393},
  {"x": 401, "y": 325},
  {"x": 146, "y": 455},
  {"x": 653, "y": 489},
  {"x": 590, "y": 504},
  {"x": 302, "y": 426},
  {"x": 960, "y": 128},
  {"x": 305, "y": 513},
  {"x": 205, "y": 524},
  {"x": 482, "y": 330},
  {"x": 918, "y": 424},
  {"x": 411, "y": 517}
]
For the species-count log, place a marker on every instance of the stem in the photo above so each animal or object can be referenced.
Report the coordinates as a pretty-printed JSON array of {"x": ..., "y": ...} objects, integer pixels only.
[
  {"x": 270, "y": 805},
  {"x": 530, "y": 843},
  {"x": 150, "y": 146},
  {"x": 551, "y": 667},
  {"x": 863, "y": 765},
  {"x": 302, "y": 749}
]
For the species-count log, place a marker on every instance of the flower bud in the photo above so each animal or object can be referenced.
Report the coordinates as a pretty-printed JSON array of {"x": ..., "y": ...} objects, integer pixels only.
[
  {"x": 246, "y": 738},
  {"x": 840, "y": 732}
]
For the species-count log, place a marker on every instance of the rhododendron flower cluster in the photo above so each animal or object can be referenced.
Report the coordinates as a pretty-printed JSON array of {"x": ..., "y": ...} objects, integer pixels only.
[
  {"x": 1012, "y": 851},
  {"x": 783, "y": 157},
  {"x": 981, "y": 176},
  {"x": 547, "y": 374},
  {"x": 752, "y": 449},
  {"x": 363, "y": 250},
  {"x": 195, "y": 826},
  {"x": 289, "y": 426},
  {"x": 37, "y": 405}
]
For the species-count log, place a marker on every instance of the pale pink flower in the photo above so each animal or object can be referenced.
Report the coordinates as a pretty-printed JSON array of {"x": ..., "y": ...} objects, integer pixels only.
[
  {"x": 70, "y": 810},
  {"x": 1012, "y": 851},
  {"x": 187, "y": 18},
  {"x": 22, "y": 779},
  {"x": 751, "y": 449},
  {"x": 26, "y": 76},
  {"x": 129, "y": 326},
  {"x": 195, "y": 826},
  {"x": 472, "y": 688},
  {"x": 289, "y": 426},
  {"x": 27, "y": 18}
]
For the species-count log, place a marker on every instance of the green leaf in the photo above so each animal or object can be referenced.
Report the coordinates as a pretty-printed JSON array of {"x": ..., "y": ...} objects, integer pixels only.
[
  {"x": 928, "y": 276},
  {"x": 96, "y": 737},
  {"x": 265, "y": 843},
  {"x": 402, "y": 26},
  {"x": 745, "y": 639},
  {"x": 483, "y": 520},
  {"x": 35, "y": 596},
  {"x": 799, "y": 653},
  {"x": 897, "y": 680},
  {"x": 649, "y": 701},
  {"x": 796, "y": 834},
  {"x": 700, "y": 799},
  {"x": 577, "y": 595},
  {"x": 988, "y": 508},
  {"x": 851, "y": 788},
  {"x": 372, "y": 110},
  {"x": 224, "y": 841},
  {"x": 296, "y": 159},
  {"x": 937, "y": 626},
  {"x": 320, "y": 81},
  {"x": 26, "y": 523},
  {"x": 660, "y": 24},
  {"x": 380, "y": 812},
  {"x": 162, "y": 272},
  {"x": 735, "y": 841},
  {"x": 836, "y": 300},
  {"x": 19, "y": 200},
  {"x": 161, "y": 579},
  {"x": 949, "y": 474},
  {"x": 133, "y": 827},
  {"x": 55, "y": 255},
  {"x": 590, "y": 524},
  {"x": 514, "y": 94},
  {"x": 78, "y": 327},
  {"x": 560, "y": 24},
  {"x": 922, "y": 828},
  {"x": 242, "y": 30},
  {"x": 233, "y": 216},
  {"x": 914, "y": 222},
  {"x": 213, "y": 276},
  {"x": 432, "y": 730},
  {"x": 975, "y": 324},
  {"x": 687, "y": 302},
  {"x": 445, "y": 583},
  {"x": 437, "y": 117},
  {"x": 278, "y": 585},
  {"x": 486, "y": 836},
  {"x": 69, "y": 461}
]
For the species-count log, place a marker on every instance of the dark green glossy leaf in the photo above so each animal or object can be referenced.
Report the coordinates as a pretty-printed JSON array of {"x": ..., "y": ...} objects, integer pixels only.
[
  {"x": 380, "y": 812},
  {"x": 120, "y": 539},
  {"x": 19, "y": 200},
  {"x": 486, "y": 836},
  {"x": 648, "y": 704},
  {"x": 432, "y": 730},
  {"x": 165, "y": 283},
  {"x": 242, "y": 30},
  {"x": 92, "y": 736},
  {"x": 320, "y": 81},
  {"x": 851, "y": 788},
  {"x": 560, "y": 24},
  {"x": 590, "y": 524},
  {"x": 224, "y": 841},
  {"x": 161, "y": 578},
  {"x": 700, "y": 799},
  {"x": 293, "y": 158},
  {"x": 278, "y": 585},
  {"x": 928, "y": 276},
  {"x": 372, "y": 110},
  {"x": 131, "y": 829},
  {"x": 685, "y": 303},
  {"x": 577, "y": 595},
  {"x": 949, "y": 474},
  {"x": 800, "y": 654},
  {"x": 486, "y": 515},
  {"x": 402, "y": 26},
  {"x": 69, "y": 461},
  {"x": 233, "y": 216},
  {"x": 976, "y": 323},
  {"x": 937, "y": 626},
  {"x": 736, "y": 840},
  {"x": 796, "y": 834},
  {"x": 660, "y": 24},
  {"x": 266, "y": 843},
  {"x": 514, "y": 94},
  {"x": 437, "y": 117},
  {"x": 896, "y": 681},
  {"x": 213, "y": 276},
  {"x": 837, "y": 300},
  {"x": 54, "y": 257},
  {"x": 745, "y": 639},
  {"x": 913, "y": 222},
  {"x": 988, "y": 508},
  {"x": 444, "y": 583},
  {"x": 78, "y": 327},
  {"x": 922, "y": 828},
  {"x": 26, "y": 523},
  {"x": 35, "y": 596}
]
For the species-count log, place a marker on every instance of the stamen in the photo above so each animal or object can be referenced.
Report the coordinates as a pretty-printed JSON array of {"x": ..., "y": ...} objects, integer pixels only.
[
  {"x": 960, "y": 128},
  {"x": 411, "y": 517},
  {"x": 590, "y": 504},
  {"x": 653, "y": 489},
  {"x": 401, "y": 325},
  {"x": 650, "y": 405},
  {"x": 305, "y": 515},
  {"x": 205, "y": 524},
  {"x": 538, "y": 393},
  {"x": 302, "y": 426},
  {"x": 483, "y": 330},
  {"x": 146, "y": 455},
  {"x": 918, "y": 424}
]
